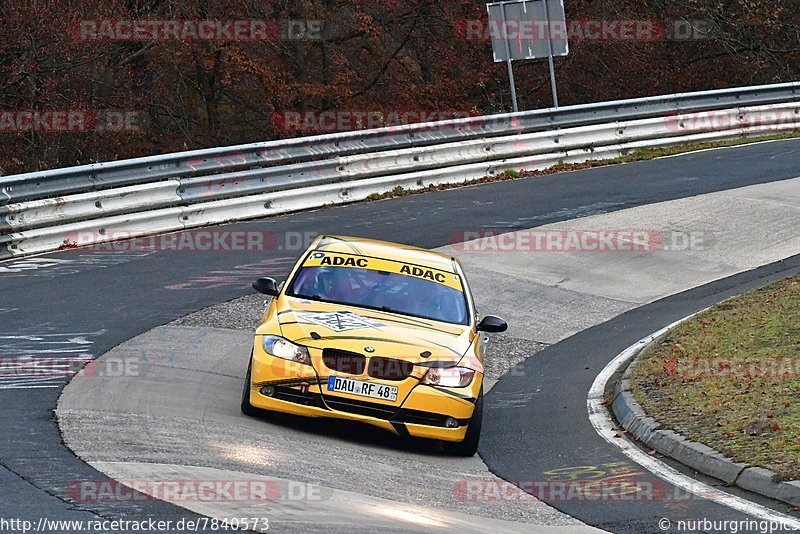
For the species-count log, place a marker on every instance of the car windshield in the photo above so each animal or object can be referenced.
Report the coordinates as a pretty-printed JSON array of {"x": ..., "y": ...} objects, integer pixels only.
[{"x": 381, "y": 290}]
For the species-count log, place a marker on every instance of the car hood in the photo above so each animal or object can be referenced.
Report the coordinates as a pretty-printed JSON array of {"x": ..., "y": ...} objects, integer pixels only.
[{"x": 322, "y": 325}]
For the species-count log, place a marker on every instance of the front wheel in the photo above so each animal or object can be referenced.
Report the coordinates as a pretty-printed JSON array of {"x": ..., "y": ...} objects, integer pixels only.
[
  {"x": 247, "y": 408},
  {"x": 469, "y": 445}
]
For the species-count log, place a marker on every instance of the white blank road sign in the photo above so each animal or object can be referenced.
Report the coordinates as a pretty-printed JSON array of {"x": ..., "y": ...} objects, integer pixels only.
[{"x": 528, "y": 29}]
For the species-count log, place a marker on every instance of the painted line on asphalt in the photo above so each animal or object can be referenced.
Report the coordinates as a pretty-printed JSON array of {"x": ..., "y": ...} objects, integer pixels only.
[
  {"x": 605, "y": 426},
  {"x": 714, "y": 148},
  {"x": 15, "y": 387}
]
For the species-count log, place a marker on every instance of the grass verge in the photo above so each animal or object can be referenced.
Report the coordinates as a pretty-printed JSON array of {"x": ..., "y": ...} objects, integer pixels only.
[{"x": 730, "y": 378}]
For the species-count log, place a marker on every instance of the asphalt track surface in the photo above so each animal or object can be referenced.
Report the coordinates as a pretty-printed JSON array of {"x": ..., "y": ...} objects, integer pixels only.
[{"x": 76, "y": 303}]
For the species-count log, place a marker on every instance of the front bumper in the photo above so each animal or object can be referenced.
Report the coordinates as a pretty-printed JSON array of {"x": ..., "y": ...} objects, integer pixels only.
[{"x": 290, "y": 388}]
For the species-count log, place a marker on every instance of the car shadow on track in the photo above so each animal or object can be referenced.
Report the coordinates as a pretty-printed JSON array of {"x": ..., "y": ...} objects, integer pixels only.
[{"x": 353, "y": 432}]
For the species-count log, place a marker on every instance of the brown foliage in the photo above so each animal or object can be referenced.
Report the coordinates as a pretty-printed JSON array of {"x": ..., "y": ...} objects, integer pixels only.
[{"x": 372, "y": 55}]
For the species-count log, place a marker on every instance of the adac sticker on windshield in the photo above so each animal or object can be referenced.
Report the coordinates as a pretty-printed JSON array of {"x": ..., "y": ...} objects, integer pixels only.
[
  {"x": 320, "y": 259},
  {"x": 340, "y": 321},
  {"x": 428, "y": 274}
]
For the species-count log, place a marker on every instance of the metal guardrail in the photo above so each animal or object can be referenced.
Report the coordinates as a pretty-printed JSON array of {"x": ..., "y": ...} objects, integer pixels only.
[
  {"x": 174, "y": 191},
  {"x": 59, "y": 182}
]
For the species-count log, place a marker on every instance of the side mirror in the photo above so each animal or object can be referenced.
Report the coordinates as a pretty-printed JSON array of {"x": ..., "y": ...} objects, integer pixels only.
[
  {"x": 267, "y": 286},
  {"x": 490, "y": 323}
]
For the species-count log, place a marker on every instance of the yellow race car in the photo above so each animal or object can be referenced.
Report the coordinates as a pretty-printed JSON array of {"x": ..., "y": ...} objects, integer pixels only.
[{"x": 375, "y": 332}]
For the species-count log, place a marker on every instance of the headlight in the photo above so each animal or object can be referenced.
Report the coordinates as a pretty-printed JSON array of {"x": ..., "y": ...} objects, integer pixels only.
[
  {"x": 285, "y": 349},
  {"x": 451, "y": 377}
]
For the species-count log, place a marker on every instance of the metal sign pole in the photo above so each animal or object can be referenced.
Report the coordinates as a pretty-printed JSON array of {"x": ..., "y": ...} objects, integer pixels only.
[
  {"x": 508, "y": 56},
  {"x": 550, "y": 54},
  {"x": 513, "y": 87}
]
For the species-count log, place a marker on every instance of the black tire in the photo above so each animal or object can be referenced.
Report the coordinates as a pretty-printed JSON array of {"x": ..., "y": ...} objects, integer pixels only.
[
  {"x": 469, "y": 446},
  {"x": 247, "y": 408}
]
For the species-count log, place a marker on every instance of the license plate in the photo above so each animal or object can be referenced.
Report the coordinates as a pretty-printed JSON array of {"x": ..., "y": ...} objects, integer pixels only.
[{"x": 362, "y": 389}]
